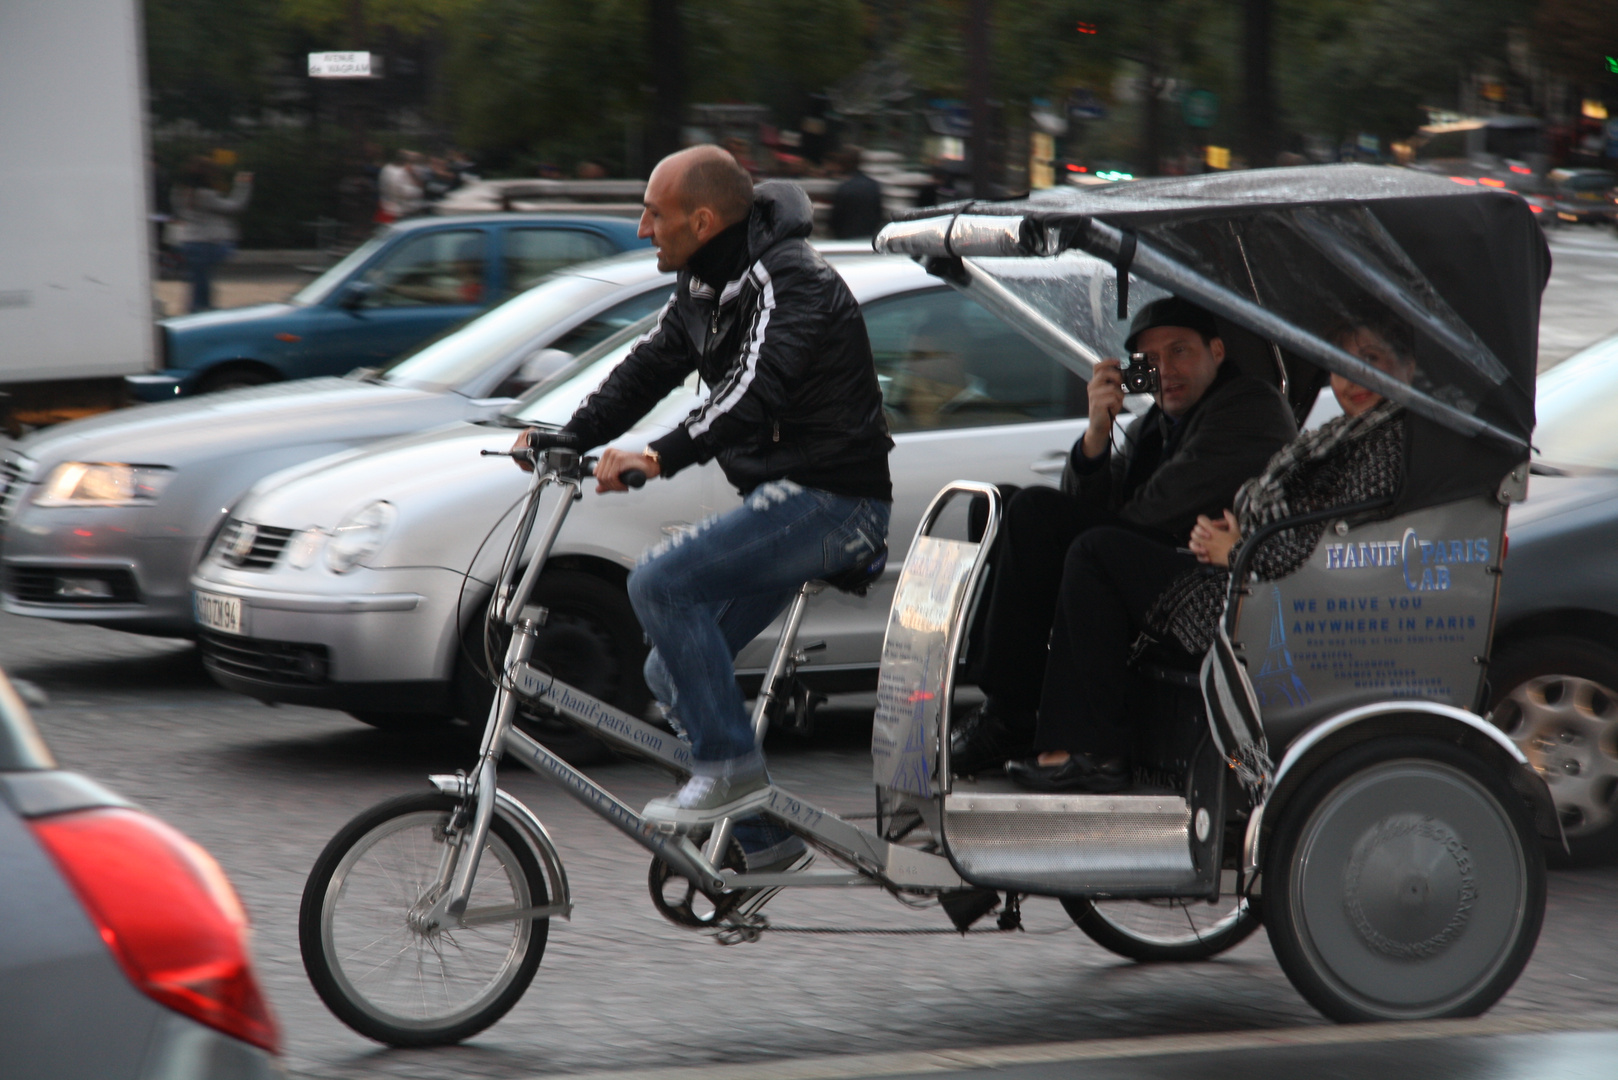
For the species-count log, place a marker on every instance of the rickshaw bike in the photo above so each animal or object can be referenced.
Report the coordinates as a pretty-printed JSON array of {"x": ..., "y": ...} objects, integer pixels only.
[{"x": 1323, "y": 769}]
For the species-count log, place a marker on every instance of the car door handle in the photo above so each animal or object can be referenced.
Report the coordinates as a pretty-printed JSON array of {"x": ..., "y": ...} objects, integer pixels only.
[{"x": 1051, "y": 463}]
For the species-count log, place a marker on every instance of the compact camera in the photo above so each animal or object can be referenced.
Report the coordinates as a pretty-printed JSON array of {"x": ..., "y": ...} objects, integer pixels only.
[{"x": 1140, "y": 377}]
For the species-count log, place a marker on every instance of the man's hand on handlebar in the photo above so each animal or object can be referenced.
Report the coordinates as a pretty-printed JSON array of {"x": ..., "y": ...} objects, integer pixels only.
[
  {"x": 523, "y": 443},
  {"x": 614, "y": 463},
  {"x": 1106, "y": 393}
]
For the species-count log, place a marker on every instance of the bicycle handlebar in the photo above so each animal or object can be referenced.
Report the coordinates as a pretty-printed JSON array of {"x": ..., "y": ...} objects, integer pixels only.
[{"x": 632, "y": 478}]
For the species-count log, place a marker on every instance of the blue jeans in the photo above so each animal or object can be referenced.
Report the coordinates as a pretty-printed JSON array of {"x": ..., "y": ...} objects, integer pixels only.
[
  {"x": 703, "y": 594},
  {"x": 200, "y": 259}
]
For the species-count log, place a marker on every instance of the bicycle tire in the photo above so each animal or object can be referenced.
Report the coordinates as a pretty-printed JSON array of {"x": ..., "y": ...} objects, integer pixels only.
[
  {"x": 406, "y": 834},
  {"x": 1164, "y": 931}
]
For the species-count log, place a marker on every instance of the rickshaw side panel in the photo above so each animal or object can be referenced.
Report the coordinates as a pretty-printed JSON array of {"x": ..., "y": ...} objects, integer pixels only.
[{"x": 1395, "y": 609}]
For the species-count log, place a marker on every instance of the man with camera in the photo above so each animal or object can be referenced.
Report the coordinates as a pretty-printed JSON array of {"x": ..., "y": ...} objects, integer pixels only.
[{"x": 1210, "y": 428}]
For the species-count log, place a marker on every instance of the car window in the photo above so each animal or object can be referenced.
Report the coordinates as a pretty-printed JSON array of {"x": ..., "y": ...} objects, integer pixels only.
[
  {"x": 471, "y": 349},
  {"x": 438, "y": 268},
  {"x": 530, "y": 254},
  {"x": 324, "y": 285},
  {"x": 545, "y": 361},
  {"x": 945, "y": 361},
  {"x": 1591, "y": 182},
  {"x": 595, "y": 330}
]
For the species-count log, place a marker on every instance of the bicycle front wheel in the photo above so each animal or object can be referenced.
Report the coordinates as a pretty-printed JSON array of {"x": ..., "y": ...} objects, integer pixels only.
[
  {"x": 1165, "y": 930},
  {"x": 382, "y": 974}
]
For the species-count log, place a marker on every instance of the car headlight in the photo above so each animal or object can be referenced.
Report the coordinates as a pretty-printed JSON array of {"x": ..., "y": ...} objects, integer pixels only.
[
  {"x": 103, "y": 483},
  {"x": 359, "y": 536}
]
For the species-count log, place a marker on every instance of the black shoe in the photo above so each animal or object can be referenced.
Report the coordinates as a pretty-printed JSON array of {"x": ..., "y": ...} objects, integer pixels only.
[
  {"x": 981, "y": 740},
  {"x": 1079, "y": 773}
]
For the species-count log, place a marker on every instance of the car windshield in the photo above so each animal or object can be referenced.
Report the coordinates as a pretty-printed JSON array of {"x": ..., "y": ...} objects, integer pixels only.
[
  {"x": 552, "y": 402},
  {"x": 450, "y": 360},
  {"x": 1574, "y": 404},
  {"x": 324, "y": 285}
]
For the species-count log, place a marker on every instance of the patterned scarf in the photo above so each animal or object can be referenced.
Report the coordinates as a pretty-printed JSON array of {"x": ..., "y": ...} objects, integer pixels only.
[{"x": 1263, "y": 499}]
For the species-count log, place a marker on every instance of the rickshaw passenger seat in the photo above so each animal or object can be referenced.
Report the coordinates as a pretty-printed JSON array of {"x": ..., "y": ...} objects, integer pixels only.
[
  {"x": 859, "y": 578},
  {"x": 1169, "y": 664}
]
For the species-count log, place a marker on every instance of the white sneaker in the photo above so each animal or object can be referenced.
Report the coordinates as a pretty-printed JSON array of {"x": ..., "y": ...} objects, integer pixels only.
[{"x": 706, "y": 798}]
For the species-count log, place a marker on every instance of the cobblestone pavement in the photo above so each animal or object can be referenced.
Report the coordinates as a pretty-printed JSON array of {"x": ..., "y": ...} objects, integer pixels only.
[{"x": 619, "y": 988}]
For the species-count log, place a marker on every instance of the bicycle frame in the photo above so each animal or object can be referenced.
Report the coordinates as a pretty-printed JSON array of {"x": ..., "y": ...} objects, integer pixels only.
[{"x": 874, "y": 861}]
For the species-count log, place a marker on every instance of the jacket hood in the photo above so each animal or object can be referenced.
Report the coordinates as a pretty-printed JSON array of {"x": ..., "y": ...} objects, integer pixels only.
[{"x": 781, "y": 211}]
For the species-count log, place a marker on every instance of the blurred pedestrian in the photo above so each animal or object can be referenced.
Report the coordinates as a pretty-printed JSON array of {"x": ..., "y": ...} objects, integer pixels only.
[
  {"x": 856, "y": 206},
  {"x": 463, "y": 167},
  {"x": 204, "y": 222},
  {"x": 398, "y": 192},
  {"x": 591, "y": 170},
  {"x": 438, "y": 179}
]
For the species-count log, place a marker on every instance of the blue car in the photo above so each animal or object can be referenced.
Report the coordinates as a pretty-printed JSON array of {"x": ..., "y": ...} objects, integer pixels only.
[{"x": 407, "y": 283}]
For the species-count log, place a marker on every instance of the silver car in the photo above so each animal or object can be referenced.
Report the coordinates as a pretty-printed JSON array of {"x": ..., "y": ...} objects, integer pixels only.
[
  {"x": 351, "y": 583},
  {"x": 105, "y": 518}
]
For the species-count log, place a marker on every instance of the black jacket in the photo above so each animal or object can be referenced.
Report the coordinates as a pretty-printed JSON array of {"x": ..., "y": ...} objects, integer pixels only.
[
  {"x": 1228, "y": 436},
  {"x": 782, "y": 348}
]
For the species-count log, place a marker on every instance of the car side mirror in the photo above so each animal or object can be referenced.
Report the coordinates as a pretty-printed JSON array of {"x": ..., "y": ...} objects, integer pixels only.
[
  {"x": 540, "y": 366},
  {"x": 355, "y": 294}
]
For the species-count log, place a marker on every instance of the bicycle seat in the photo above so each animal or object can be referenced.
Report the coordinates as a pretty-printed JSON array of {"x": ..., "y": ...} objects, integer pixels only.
[{"x": 859, "y": 578}]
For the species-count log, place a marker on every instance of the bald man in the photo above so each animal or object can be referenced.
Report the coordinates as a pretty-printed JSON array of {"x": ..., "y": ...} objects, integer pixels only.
[{"x": 793, "y": 416}]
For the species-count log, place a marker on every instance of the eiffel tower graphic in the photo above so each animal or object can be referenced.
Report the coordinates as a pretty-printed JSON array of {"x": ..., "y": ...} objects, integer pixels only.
[{"x": 1277, "y": 683}]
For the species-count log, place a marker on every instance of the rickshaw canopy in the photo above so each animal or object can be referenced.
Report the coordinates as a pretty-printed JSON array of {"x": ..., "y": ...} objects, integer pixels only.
[{"x": 1284, "y": 257}]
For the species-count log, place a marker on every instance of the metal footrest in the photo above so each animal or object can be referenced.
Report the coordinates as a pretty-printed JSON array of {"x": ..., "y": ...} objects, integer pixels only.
[{"x": 1113, "y": 845}]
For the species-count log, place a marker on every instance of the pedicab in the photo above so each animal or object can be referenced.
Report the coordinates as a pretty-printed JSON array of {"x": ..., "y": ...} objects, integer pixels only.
[{"x": 1323, "y": 770}]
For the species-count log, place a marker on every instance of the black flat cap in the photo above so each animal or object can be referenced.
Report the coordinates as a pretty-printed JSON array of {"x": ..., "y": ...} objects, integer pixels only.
[{"x": 1171, "y": 311}]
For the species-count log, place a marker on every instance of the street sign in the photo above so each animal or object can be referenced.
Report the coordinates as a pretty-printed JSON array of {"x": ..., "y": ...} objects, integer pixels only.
[
  {"x": 1082, "y": 105},
  {"x": 1201, "y": 108},
  {"x": 344, "y": 65}
]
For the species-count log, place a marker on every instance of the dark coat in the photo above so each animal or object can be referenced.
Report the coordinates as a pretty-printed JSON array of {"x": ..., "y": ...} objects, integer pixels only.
[
  {"x": 783, "y": 349},
  {"x": 856, "y": 208},
  {"x": 1227, "y": 437}
]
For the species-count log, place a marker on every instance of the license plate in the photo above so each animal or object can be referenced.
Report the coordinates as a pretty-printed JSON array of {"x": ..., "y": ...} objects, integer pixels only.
[{"x": 222, "y": 613}]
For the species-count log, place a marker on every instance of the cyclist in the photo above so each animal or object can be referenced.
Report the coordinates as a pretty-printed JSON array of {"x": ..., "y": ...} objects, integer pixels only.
[{"x": 794, "y": 417}]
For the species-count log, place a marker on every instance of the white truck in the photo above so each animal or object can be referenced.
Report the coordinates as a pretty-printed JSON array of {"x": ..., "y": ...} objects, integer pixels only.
[{"x": 76, "y": 309}]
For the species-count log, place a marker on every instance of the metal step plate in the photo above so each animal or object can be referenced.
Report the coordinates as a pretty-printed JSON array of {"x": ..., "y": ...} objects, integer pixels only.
[{"x": 1091, "y": 845}]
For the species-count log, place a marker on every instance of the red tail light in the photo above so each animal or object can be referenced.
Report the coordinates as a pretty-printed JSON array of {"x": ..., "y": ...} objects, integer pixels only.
[{"x": 167, "y": 913}]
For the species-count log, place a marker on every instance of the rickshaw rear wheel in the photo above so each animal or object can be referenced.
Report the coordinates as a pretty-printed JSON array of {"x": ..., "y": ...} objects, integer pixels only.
[
  {"x": 1404, "y": 881},
  {"x": 1165, "y": 931}
]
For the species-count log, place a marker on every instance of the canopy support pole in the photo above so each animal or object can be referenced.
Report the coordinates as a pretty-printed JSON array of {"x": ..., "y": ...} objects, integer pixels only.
[{"x": 1023, "y": 317}]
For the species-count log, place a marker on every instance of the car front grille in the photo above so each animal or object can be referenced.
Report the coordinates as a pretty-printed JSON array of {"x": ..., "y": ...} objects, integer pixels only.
[
  {"x": 250, "y": 547},
  {"x": 12, "y": 485},
  {"x": 71, "y": 586},
  {"x": 285, "y": 663}
]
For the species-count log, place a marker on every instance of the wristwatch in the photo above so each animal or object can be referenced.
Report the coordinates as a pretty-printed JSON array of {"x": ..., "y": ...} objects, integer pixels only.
[{"x": 655, "y": 456}]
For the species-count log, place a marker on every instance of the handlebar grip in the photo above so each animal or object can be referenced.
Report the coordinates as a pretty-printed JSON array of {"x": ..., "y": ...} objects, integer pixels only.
[
  {"x": 633, "y": 478},
  {"x": 546, "y": 440}
]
